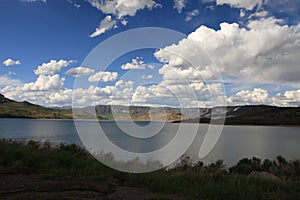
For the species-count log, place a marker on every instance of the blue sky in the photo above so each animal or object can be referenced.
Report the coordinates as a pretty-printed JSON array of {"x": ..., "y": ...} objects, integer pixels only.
[{"x": 255, "y": 51}]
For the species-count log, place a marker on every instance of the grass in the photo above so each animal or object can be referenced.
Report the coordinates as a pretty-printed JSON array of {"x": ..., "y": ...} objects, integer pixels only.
[
  {"x": 193, "y": 181},
  {"x": 64, "y": 161},
  {"x": 28, "y": 110}
]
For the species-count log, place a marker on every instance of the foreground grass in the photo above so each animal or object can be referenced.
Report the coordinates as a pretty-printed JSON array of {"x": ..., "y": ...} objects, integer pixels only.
[{"x": 192, "y": 181}]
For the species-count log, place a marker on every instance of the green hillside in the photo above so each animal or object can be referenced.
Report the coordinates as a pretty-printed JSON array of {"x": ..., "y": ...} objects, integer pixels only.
[{"x": 13, "y": 109}]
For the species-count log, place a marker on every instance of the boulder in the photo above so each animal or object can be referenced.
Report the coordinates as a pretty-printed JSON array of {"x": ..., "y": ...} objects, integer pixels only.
[{"x": 264, "y": 176}]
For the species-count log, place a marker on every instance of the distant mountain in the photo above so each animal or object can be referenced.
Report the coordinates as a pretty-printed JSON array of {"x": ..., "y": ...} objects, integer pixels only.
[
  {"x": 253, "y": 115},
  {"x": 235, "y": 115},
  {"x": 13, "y": 109},
  {"x": 118, "y": 112}
]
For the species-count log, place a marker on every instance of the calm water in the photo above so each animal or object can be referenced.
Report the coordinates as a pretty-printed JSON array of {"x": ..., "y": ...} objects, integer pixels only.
[{"x": 236, "y": 142}]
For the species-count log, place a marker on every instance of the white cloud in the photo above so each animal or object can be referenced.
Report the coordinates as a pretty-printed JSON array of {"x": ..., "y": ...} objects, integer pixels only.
[
  {"x": 49, "y": 91},
  {"x": 147, "y": 76},
  {"x": 184, "y": 94},
  {"x": 74, "y": 4},
  {"x": 106, "y": 24},
  {"x": 190, "y": 15},
  {"x": 205, "y": 92},
  {"x": 52, "y": 67},
  {"x": 288, "y": 98},
  {"x": 60, "y": 98},
  {"x": 265, "y": 52},
  {"x": 124, "y": 84},
  {"x": 11, "y": 62},
  {"x": 256, "y": 96},
  {"x": 174, "y": 74},
  {"x": 293, "y": 95},
  {"x": 179, "y": 5},
  {"x": 124, "y": 22},
  {"x": 80, "y": 71},
  {"x": 249, "y": 4},
  {"x": 136, "y": 63},
  {"x": 49, "y": 98},
  {"x": 242, "y": 13},
  {"x": 38, "y": 91},
  {"x": 8, "y": 81},
  {"x": 103, "y": 77},
  {"x": 259, "y": 14},
  {"x": 44, "y": 82},
  {"x": 261, "y": 96},
  {"x": 122, "y": 8},
  {"x": 31, "y": 1},
  {"x": 116, "y": 10},
  {"x": 207, "y": 1},
  {"x": 119, "y": 94}
]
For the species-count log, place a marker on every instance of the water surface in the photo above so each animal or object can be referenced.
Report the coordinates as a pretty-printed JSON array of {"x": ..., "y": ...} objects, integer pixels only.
[{"x": 236, "y": 142}]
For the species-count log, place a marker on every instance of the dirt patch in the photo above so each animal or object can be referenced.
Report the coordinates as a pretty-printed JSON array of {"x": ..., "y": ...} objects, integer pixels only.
[{"x": 19, "y": 185}]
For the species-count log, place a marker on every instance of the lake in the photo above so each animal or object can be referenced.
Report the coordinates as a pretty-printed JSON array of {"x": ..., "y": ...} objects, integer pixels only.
[{"x": 235, "y": 142}]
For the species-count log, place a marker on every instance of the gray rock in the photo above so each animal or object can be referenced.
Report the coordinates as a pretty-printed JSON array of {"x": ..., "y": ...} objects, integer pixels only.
[{"x": 265, "y": 176}]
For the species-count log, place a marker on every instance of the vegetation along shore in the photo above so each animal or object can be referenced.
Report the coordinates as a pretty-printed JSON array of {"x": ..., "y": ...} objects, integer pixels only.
[{"x": 40, "y": 171}]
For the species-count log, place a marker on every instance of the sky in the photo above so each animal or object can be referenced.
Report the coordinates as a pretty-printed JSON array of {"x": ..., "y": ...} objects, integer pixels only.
[{"x": 174, "y": 53}]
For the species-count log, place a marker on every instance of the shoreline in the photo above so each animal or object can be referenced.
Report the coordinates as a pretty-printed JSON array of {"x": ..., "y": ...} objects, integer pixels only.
[{"x": 175, "y": 122}]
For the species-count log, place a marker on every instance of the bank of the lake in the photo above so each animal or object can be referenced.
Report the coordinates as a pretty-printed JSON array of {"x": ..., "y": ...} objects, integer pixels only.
[{"x": 35, "y": 170}]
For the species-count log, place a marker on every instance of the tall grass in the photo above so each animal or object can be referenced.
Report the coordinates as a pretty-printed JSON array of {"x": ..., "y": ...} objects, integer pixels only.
[{"x": 193, "y": 181}]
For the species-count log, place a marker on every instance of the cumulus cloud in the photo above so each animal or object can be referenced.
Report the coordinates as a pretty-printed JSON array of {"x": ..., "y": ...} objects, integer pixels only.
[
  {"x": 103, "y": 77},
  {"x": 10, "y": 62},
  {"x": 122, "y": 8},
  {"x": 156, "y": 94},
  {"x": 255, "y": 96},
  {"x": 49, "y": 98},
  {"x": 8, "y": 81},
  {"x": 190, "y": 15},
  {"x": 38, "y": 91},
  {"x": 119, "y": 94},
  {"x": 293, "y": 95},
  {"x": 80, "y": 71},
  {"x": 124, "y": 84},
  {"x": 116, "y": 10},
  {"x": 62, "y": 97},
  {"x": 250, "y": 4},
  {"x": 49, "y": 91},
  {"x": 265, "y": 51},
  {"x": 52, "y": 67},
  {"x": 179, "y": 5},
  {"x": 170, "y": 94},
  {"x": 106, "y": 24},
  {"x": 136, "y": 63},
  {"x": 288, "y": 98},
  {"x": 44, "y": 82}
]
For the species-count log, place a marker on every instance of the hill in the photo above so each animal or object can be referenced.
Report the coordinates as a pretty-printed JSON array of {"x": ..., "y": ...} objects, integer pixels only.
[
  {"x": 13, "y": 109},
  {"x": 254, "y": 115},
  {"x": 235, "y": 115},
  {"x": 144, "y": 113}
]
